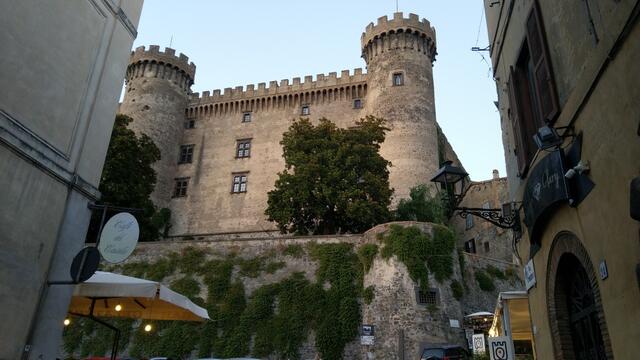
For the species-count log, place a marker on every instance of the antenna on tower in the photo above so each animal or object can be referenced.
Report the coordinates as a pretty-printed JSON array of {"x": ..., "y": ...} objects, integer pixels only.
[
  {"x": 396, "y": 5},
  {"x": 171, "y": 41}
]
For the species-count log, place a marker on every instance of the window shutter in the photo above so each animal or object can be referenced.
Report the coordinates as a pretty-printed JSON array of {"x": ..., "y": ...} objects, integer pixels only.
[
  {"x": 544, "y": 84},
  {"x": 516, "y": 126}
]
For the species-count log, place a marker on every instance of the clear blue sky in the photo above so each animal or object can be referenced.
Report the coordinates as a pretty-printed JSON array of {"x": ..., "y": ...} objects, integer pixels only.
[{"x": 242, "y": 42}]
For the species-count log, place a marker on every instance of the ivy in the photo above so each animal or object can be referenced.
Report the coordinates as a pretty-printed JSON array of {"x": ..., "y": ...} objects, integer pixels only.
[
  {"x": 366, "y": 254},
  {"x": 274, "y": 321},
  {"x": 293, "y": 250},
  {"x": 420, "y": 253}
]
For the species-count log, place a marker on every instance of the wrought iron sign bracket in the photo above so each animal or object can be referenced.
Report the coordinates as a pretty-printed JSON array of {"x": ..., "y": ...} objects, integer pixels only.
[{"x": 494, "y": 216}]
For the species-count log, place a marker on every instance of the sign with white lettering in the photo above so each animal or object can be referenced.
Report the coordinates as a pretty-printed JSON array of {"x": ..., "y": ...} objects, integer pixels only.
[
  {"x": 367, "y": 340},
  {"x": 478, "y": 344},
  {"x": 500, "y": 349},
  {"x": 119, "y": 237},
  {"x": 529, "y": 275}
]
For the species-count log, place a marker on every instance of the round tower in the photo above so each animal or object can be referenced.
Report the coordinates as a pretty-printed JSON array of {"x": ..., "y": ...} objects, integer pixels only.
[
  {"x": 399, "y": 54},
  {"x": 157, "y": 88}
]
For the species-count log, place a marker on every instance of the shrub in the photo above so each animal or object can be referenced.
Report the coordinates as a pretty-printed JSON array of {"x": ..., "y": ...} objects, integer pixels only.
[
  {"x": 368, "y": 294},
  {"x": 495, "y": 272},
  {"x": 456, "y": 289},
  {"x": 484, "y": 281}
]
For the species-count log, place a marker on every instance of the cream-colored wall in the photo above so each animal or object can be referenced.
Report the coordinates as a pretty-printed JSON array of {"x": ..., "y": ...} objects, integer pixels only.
[
  {"x": 61, "y": 73},
  {"x": 599, "y": 94},
  {"x": 210, "y": 206},
  {"x": 391, "y": 45}
]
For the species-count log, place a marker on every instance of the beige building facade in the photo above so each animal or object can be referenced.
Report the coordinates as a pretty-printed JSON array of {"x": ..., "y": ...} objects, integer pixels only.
[
  {"x": 221, "y": 150},
  {"x": 573, "y": 66},
  {"x": 60, "y": 73}
]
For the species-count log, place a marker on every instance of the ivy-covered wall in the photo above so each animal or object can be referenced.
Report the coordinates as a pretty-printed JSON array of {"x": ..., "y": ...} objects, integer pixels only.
[{"x": 294, "y": 298}]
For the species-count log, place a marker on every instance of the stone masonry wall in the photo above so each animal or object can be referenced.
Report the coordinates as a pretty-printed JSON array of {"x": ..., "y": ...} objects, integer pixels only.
[{"x": 401, "y": 324}]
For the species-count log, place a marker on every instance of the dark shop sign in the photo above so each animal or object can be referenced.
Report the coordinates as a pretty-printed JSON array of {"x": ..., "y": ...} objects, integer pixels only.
[{"x": 546, "y": 188}]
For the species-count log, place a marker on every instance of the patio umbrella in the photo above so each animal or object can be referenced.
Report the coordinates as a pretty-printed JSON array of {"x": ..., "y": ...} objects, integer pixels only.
[
  {"x": 107, "y": 294},
  {"x": 138, "y": 298}
]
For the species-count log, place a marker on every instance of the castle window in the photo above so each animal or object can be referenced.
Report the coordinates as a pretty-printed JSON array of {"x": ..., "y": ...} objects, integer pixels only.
[
  {"x": 243, "y": 148},
  {"x": 180, "y": 189},
  {"x": 427, "y": 296},
  {"x": 470, "y": 246},
  {"x": 246, "y": 117},
  {"x": 469, "y": 222},
  {"x": 305, "y": 110},
  {"x": 398, "y": 79},
  {"x": 186, "y": 154},
  {"x": 190, "y": 124},
  {"x": 486, "y": 247},
  {"x": 239, "y": 183},
  {"x": 357, "y": 104}
]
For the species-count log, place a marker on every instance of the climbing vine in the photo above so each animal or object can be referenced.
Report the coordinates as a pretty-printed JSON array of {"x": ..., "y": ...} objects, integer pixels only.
[
  {"x": 275, "y": 319},
  {"x": 420, "y": 252}
]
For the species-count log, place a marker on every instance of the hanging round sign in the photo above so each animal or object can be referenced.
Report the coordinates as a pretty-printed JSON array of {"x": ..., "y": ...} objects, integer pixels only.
[{"x": 119, "y": 237}]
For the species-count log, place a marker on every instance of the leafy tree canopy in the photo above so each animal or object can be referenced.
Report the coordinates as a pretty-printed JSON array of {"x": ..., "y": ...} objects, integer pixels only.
[
  {"x": 128, "y": 179},
  {"x": 421, "y": 206},
  {"x": 335, "y": 180}
]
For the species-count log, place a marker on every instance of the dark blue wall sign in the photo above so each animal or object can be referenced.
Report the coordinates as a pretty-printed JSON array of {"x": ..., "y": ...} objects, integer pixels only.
[{"x": 545, "y": 189}]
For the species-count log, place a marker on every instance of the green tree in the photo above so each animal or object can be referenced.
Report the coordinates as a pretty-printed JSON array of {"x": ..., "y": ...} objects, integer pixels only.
[
  {"x": 335, "y": 180},
  {"x": 421, "y": 206},
  {"x": 128, "y": 180}
]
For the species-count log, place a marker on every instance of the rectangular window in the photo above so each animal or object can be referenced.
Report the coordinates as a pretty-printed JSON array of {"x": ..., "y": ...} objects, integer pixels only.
[
  {"x": 486, "y": 247},
  {"x": 305, "y": 110},
  {"x": 246, "y": 117},
  {"x": 186, "y": 154},
  {"x": 180, "y": 189},
  {"x": 470, "y": 246},
  {"x": 469, "y": 221},
  {"x": 533, "y": 100},
  {"x": 190, "y": 124},
  {"x": 357, "y": 104},
  {"x": 398, "y": 79},
  {"x": 243, "y": 148},
  {"x": 427, "y": 297},
  {"x": 239, "y": 183}
]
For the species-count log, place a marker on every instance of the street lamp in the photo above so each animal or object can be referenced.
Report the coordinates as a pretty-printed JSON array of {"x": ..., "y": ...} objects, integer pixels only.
[{"x": 448, "y": 176}]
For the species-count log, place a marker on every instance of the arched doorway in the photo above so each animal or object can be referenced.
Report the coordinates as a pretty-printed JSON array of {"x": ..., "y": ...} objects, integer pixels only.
[
  {"x": 577, "y": 321},
  {"x": 582, "y": 311}
]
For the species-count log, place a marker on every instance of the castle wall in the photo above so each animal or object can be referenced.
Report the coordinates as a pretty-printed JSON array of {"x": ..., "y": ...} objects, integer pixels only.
[
  {"x": 490, "y": 240},
  {"x": 158, "y": 83},
  {"x": 210, "y": 206}
]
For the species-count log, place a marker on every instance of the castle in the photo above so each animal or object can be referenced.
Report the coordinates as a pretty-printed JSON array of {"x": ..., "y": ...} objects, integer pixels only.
[
  {"x": 221, "y": 151},
  {"x": 221, "y": 154}
]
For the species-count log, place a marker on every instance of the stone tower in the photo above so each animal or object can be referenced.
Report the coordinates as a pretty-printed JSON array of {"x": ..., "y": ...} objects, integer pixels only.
[
  {"x": 399, "y": 54},
  {"x": 158, "y": 84}
]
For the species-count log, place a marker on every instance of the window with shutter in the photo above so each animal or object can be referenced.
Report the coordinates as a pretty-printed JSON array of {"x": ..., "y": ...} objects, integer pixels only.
[
  {"x": 544, "y": 83},
  {"x": 514, "y": 116},
  {"x": 532, "y": 92}
]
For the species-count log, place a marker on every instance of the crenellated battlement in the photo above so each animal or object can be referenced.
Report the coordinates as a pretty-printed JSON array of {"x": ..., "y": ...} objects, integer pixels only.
[
  {"x": 284, "y": 86},
  {"x": 168, "y": 56},
  {"x": 398, "y": 33}
]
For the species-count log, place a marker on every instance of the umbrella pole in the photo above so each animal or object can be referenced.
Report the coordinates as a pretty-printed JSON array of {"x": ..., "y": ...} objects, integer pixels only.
[{"x": 116, "y": 337}]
